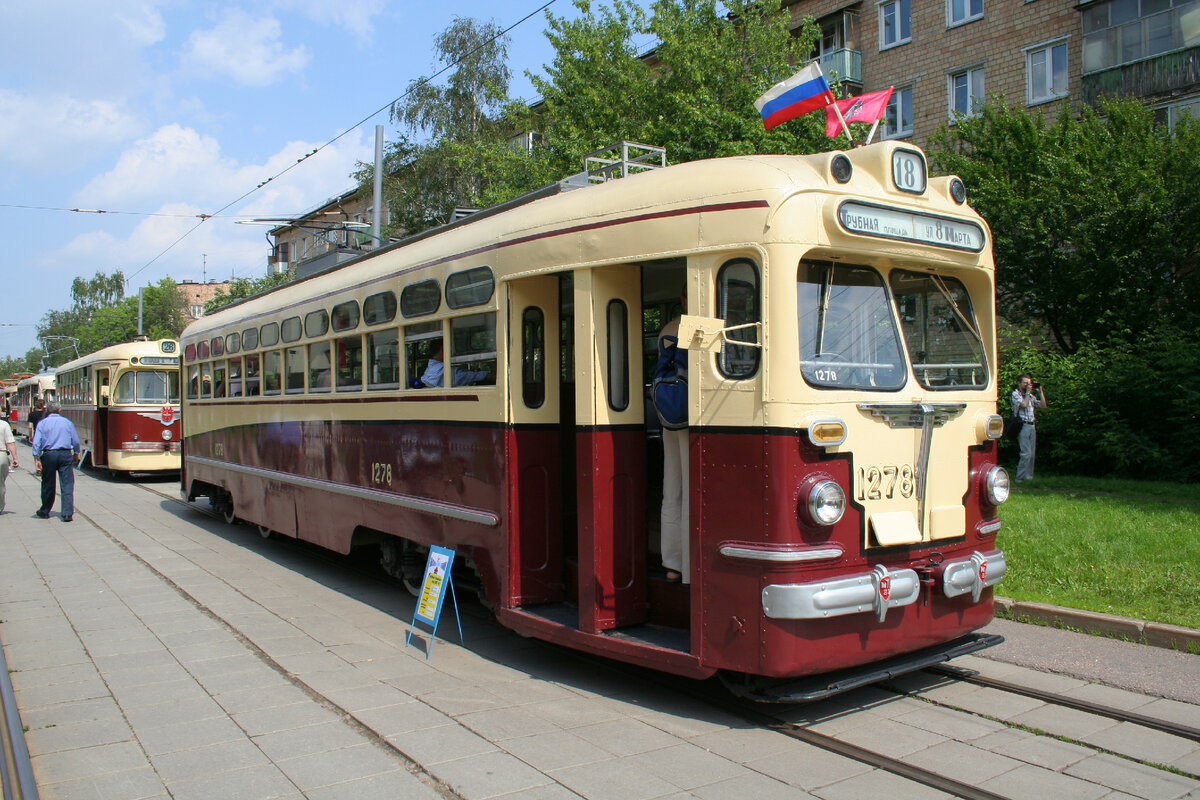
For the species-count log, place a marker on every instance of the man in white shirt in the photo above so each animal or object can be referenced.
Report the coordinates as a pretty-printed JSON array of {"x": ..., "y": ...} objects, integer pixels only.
[{"x": 8, "y": 457}]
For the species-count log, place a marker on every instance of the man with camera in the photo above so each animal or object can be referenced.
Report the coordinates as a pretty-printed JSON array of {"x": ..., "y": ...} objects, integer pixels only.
[{"x": 1026, "y": 398}]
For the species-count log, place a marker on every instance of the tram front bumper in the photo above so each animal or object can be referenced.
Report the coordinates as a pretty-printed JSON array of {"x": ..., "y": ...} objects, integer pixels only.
[{"x": 879, "y": 590}]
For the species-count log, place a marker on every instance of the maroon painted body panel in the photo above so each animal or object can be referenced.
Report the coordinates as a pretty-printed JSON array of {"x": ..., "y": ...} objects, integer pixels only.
[{"x": 130, "y": 430}]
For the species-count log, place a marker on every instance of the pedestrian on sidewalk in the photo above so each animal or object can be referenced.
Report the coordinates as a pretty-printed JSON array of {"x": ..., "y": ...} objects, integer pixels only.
[
  {"x": 8, "y": 457},
  {"x": 56, "y": 451}
]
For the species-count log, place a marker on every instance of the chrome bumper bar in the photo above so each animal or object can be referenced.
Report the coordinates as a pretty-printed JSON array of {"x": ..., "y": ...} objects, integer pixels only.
[{"x": 879, "y": 590}]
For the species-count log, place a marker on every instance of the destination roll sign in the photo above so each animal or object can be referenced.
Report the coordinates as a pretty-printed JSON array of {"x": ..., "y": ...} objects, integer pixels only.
[{"x": 910, "y": 226}]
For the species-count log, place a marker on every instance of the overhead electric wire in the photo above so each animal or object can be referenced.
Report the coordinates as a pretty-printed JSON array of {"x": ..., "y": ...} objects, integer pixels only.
[{"x": 205, "y": 217}]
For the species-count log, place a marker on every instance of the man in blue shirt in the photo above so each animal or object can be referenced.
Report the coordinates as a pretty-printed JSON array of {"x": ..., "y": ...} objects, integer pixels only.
[
  {"x": 435, "y": 369},
  {"x": 56, "y": 451}
]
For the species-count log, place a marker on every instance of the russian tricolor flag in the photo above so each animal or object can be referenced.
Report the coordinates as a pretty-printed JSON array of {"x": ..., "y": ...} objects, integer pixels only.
[{"x": 805, "y": 91}]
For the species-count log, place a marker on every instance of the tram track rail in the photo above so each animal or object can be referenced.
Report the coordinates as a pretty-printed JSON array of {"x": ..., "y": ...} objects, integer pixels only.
[
  {"x": 1118, "y": 714},
  {"x": 756, "y": 715}
]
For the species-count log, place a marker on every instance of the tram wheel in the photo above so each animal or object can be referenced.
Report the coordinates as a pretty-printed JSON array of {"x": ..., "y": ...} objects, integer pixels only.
[
  {"x": 264, "y": 531},
  {"x": 405, "y": 561},
  {"x": 228, "y": 515}
]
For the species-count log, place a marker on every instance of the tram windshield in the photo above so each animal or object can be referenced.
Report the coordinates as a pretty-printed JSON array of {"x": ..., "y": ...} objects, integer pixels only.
[
  {"x": 849, "y": 338},
  {"x": 157, "y": 386},
  {"x": 940, "y": 330}
]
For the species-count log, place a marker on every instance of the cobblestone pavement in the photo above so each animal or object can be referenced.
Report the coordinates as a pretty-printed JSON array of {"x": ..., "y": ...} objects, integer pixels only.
[{"x": 156, "y": 652}]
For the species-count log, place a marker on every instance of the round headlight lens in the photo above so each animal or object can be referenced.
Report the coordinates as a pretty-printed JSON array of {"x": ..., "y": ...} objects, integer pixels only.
[
  {"x": 958, "y": 191},
  {"x": 826, "y": 503},
  {"x": 997, "y": 485},
  {"x": 841, "y": 168}
]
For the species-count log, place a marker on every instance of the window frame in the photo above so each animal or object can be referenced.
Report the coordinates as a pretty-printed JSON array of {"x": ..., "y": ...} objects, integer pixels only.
[
  {"x": 897, "y": 101},
  {"x": 1048, "y": 48},
  {"x": 972, "y": 95},
  {"x": 724, "y": 355},
  {"x": 951, "y": 22},
  {"x": 901, "y": 22}
]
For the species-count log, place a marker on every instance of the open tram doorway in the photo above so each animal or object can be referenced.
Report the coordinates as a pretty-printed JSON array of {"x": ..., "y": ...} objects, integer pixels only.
[{"x": 585, "y": 451}]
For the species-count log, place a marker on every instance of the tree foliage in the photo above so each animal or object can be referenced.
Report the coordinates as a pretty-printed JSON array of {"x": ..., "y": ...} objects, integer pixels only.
[
  {"x": 241, "y": 288},
  {"x": 1092, "y": 217},
  {"x": 694, "y": 95},
  {"x": 101, "y": 315}
]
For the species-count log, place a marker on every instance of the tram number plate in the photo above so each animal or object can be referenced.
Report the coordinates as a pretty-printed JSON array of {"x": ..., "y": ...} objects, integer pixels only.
[
  {"x": 885, "y": 482},
  {"x": 381, "y": 473}
]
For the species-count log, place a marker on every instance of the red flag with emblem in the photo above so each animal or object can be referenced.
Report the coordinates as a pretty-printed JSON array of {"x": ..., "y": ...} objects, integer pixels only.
[{"x": 866, "y": 108}]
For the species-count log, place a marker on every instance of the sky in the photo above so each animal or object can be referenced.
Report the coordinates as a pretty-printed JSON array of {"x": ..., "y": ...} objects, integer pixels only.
[{"x": 157, "y": 111}]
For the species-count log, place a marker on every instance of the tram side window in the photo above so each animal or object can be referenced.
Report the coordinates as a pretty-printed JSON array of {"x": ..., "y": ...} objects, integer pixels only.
[
  {"x": 383, "y": 359},
  {"x": 218, "y": 379},
  {"x": 349, "y": 363},
  {"x": 235, "y": 377},
  {"x": 379, "y": 308},
  {"x": 345, "y": 316},
  {"x": 268, "y": 335},
  {"x": 737, "y": 304},
  {"x": 193, "y": 390},
  {"x": 421, "y": 341},
  {"x": 848, "y": 336},
  {"x": 206, "y": 380},
  {"x": 253, "y": 379},
  {"x": 473, "y": 349},
  {"x": 250, "y": 338},
  {"x": 940, "y": 330},
  {"x": 618, "y": 355},
  {"x": 319, "y": 376},
  {"x": 533, "y": 357},
  {"x": 125, "y": 390},
  {"x": 272, "y": 372}
]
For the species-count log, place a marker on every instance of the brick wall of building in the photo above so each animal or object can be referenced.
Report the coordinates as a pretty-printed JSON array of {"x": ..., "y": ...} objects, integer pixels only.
[{"x": 996, "y": 42}]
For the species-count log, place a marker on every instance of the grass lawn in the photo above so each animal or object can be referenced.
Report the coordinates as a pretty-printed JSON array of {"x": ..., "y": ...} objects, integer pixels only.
[{"x": 1119, "y": 547}]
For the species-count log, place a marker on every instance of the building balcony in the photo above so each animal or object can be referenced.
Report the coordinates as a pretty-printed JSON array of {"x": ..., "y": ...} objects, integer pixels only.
[
  {"x": 842, "y": 65},
  {"x": 1149, "y": 78}
]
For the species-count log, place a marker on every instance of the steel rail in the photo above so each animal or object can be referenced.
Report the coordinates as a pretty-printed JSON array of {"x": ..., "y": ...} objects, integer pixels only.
[
  {"x": 1120, "y": 715},
  {"x": 16, "y": 769}
]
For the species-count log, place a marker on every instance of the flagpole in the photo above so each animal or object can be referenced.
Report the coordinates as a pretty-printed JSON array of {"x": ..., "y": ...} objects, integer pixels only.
[
  {"x": 845, "y": 127},
  {"x": 871, "y": 133}
]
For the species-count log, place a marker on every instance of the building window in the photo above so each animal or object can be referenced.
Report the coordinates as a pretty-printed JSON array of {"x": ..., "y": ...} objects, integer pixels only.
[
  {"x": 966, "y": 93},
  {"x": 898, "y": 116},
  {"x": 1121, "y": 31},
  {"x": 895, "y": 23},
  {"x": 961, "y": 11},
  {"x": 1186, "y": 108},
  {"x": 197, "y": 311},
  {"x": 1046, "y": 72}
]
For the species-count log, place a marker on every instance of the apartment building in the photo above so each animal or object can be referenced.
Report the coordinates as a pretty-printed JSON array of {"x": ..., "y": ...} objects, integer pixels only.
[
  {"x": 945, "y": 56},
  {"x": 336, "y": 230}
]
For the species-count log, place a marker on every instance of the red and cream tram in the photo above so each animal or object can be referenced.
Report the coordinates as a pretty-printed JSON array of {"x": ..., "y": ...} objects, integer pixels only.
[
  {"x": 124, "y": 401},
  {"x": 29, "y": 390},
  {"x": 842, "y": 482}
]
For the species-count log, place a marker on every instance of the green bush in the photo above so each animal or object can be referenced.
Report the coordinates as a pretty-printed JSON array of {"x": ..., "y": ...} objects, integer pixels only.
[{"x": 1115, "y": 408}]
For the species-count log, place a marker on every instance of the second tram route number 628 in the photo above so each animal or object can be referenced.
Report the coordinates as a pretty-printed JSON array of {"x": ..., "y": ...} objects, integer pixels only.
[
  {"x": 381, "y": 473},
  {"x": 885, "y": 482}
]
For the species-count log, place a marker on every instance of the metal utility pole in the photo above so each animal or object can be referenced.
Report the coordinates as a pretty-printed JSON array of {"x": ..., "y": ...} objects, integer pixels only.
[{"x": 377, "y": 197}]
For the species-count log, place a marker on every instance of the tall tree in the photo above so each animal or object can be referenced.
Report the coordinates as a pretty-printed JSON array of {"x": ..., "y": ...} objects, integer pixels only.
[
  {"x": 694, "y": 94},
  {"x": 1092, "y": 217},
  {"x": 241, "y": 288}
]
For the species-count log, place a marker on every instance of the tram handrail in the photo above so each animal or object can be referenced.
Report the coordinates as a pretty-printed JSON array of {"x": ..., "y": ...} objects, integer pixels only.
[{"x": 16, "y": 770}]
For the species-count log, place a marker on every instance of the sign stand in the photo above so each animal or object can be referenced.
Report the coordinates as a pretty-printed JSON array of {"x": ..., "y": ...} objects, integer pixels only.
[{"x": 429, "y": 604}]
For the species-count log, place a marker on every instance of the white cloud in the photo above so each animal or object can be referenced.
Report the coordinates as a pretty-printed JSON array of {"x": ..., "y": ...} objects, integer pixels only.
[
  {"x": 354, "y": 15},
  {"x": 142, "y": 21},
  {"x": 56, "y": 128},
  {"x": 246, "y": 49}
]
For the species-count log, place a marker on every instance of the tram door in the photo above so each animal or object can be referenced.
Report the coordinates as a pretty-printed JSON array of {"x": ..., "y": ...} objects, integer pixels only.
[
  {"x": 610, "y": 461},
  {"x": 534, "y": 444},
  {"x": 100, "y": 434}
]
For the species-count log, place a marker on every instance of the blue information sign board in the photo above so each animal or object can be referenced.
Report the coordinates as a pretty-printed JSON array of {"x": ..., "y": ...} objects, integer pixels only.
[{"x": 434, "y": 588}]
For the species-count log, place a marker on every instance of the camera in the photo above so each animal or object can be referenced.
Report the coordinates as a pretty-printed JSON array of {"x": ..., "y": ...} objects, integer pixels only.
[{"x": 1036, "y": 385}]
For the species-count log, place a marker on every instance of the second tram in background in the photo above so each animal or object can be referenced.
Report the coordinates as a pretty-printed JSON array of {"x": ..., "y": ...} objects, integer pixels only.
[
  {"x": 481, "y": 387},
  {"x": 124, "y": 401},
  {"x": 29, "y": 390}
]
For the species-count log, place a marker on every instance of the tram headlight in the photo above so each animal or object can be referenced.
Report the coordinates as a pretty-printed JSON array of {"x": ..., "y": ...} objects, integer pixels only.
[
  {"x": 958, "y": 191},
  {"x": 841, "y": 168},
  {"x": 997, "y": 485},
  {"x": 826, "y": 502}
]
